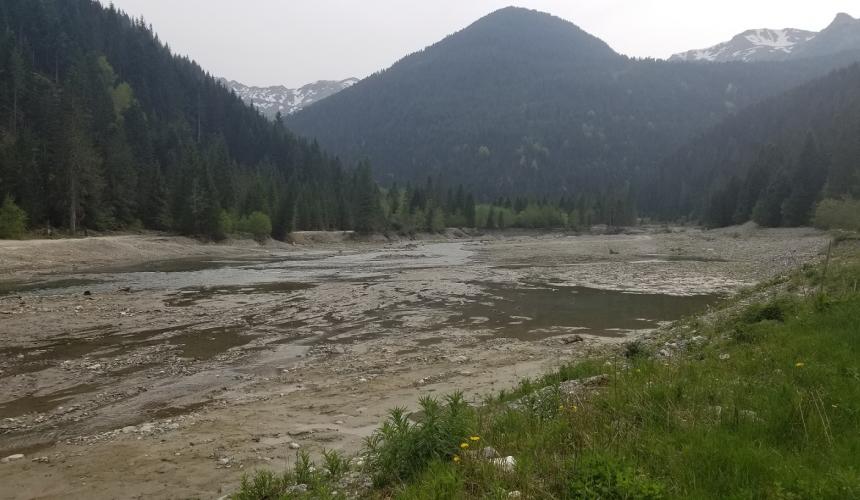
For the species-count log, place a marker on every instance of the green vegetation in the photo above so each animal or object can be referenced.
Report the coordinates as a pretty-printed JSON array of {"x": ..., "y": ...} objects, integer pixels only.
[
  {"x": 305, "y": 480},
  {"x": 763, "y": 402},
  {"x": 401, "y": 449},
  {"x": 524, "y": 103},
  {"x": 838, "y": 214},
  {"x": 770, "y": 163},
  {"x": 13, "y": 220},
  {"x": 104, "y": 128},
  {"x": 257, "y": 224}
]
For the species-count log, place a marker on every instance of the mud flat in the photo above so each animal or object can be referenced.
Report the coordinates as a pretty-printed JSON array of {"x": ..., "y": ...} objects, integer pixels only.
[{"x": 164, "y": 368}]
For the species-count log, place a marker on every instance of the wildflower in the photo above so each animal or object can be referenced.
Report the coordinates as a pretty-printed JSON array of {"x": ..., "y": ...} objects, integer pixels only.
[
  {"x": 463, "y": 446},
  {"x": 573, "y": 408},
  {"x": 456, "y": 459},
  {"x": 799, "y": 365},
  {"x": 475, "y": 439}
]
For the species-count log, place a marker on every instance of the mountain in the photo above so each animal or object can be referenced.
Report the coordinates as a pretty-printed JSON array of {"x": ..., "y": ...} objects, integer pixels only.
[
  {"x": 723, "y": 173},
  {"x": 104, "y": 128},
  {"x": 780, "y": 45},
  {"x": 280, "y": 99},
  {"x": 522, "y": 102}
]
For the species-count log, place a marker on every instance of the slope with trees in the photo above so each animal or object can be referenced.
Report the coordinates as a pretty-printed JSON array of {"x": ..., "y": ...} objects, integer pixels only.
[
  {"x": 103, "y": 127},
  {"x": 521, "y": 102},
  {"x": 772, "y": 162}
]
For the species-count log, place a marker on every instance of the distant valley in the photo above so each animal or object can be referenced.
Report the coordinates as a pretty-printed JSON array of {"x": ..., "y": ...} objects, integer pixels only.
[{"x": 280, "y": 99}]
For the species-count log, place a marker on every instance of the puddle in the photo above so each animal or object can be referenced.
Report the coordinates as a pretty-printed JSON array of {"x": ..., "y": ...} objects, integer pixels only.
[
  {"x": 429, "y": 341},
  {"x": 16, "y": 287},
  {"x": 208, "y": 343},
  {"x": 42, "y": 404},
  {"x": 191, "y": 296},
  {"x": 535, "y": 312},
  {"x": 201, "y": 344},
  {"x": 163, "y": 411}
]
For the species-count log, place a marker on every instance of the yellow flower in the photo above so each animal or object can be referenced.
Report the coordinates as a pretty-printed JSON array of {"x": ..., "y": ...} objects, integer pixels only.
[
  {"x": 456, "y": 458},
  {"x": 573, "y": 408},
  {"x": 463, "y": 446},
  {"x": 799, "y": 365},
  {"x": 475, "y": 439}
]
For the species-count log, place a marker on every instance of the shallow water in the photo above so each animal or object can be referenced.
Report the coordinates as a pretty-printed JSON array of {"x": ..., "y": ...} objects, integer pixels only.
[{"x": 537, "y": 311}]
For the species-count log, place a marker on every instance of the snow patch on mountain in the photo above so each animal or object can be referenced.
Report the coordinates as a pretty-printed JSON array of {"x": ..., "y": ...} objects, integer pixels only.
[
  {"x": 753, "y": 45},
  {"x": 779, "y": 45},
  {"x": 280, "y": 99}
]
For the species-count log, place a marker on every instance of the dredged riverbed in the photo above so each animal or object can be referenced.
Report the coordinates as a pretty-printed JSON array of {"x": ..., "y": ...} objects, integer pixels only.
[{"x": 287, "y": 344}]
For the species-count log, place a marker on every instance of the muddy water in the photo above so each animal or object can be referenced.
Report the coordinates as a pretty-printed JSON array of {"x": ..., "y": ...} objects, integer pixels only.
[{"x": 537, "y": 311}]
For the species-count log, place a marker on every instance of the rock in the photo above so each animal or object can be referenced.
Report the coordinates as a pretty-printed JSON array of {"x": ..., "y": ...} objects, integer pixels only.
[
  {"x": 87, "y": 293},
  {"x": 572, "y": 339},
  {"x": 146, "y": 428},
  {"x": 665, "y": 353},
  {"x": 489, "y": 453},
  {"x": 12, "y": 458},
  {"x": 224, "y": 461},
  {"x": 362, "y": 380},
  {"x": 506, "y": 464},
  {"x": 338, "y": 422},
  {"x": 295, "y": 446},
  {"x": 41, "y": 460},
  {"x": 96, "y": 366},
  {"x": 697, "y": 339},
  {"x": 299, "y": 488},
  {"x": 514, "y": 494},
  {"x": 128, "y": 429},
  {"x": 725, "y": 356},
  {"x": 459, "y": 359}
]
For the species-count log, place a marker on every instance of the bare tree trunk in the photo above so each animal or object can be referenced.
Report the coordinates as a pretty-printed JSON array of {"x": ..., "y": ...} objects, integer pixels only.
[
  {"x": 73, "y": 206},
  {"x": 15, "y": 111}
]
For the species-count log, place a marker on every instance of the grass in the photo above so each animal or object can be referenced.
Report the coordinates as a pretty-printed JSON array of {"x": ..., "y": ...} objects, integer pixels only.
[{"x": 767, "y": 406}]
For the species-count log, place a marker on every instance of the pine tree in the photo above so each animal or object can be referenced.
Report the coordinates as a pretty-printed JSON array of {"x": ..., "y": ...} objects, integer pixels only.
[
  {"x": 768, "y": 209},
  {"x": 367, "y": 209},
  {"x": 809, "y": 176}
]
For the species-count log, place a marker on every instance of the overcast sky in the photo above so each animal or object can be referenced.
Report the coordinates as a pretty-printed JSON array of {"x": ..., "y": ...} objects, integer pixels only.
[{"x": 293, "y": 42}]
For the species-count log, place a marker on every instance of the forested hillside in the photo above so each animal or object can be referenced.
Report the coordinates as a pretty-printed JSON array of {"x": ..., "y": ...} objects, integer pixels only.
[
  {"x": 103, "y": 127},
  {"x": 771, "y": 162},
  {"x": 522, "y": 102}
]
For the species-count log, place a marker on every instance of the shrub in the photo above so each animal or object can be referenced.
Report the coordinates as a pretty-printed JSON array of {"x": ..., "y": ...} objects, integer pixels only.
[
  {"x": 400, "y": 450},
  {"x": 776, "y": 310},
  {"x": 259, "y": 225},
  {"x": 13, "y": 220},
  {"x": 336, "y": 465},
  {"x": 264, "y": 485},
  {"x": 838, "y": 214}
]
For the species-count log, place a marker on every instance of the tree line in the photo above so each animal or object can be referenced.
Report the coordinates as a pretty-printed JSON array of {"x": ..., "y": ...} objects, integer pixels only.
[{"x": 104, "y": 128}]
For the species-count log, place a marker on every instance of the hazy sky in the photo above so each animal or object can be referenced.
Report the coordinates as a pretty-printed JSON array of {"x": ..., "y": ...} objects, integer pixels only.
[{"x": 293, "y": 42}]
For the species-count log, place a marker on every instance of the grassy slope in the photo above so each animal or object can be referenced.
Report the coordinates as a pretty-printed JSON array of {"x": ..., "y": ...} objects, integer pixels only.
[{"x": 765, "y": 404}]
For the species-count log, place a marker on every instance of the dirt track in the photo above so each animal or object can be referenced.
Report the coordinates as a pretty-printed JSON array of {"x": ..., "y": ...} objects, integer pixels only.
[{"x": 128, "y": 373}]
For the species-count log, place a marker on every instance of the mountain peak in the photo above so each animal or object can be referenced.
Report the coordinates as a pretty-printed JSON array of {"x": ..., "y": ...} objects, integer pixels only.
[
  {"x": 843, "y": 18},
  {"x": 843, "y": 34},
  {"x": 279, "y": 99},
  {"x": 523, "y": 30}
]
